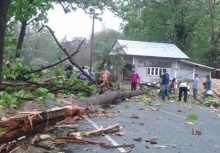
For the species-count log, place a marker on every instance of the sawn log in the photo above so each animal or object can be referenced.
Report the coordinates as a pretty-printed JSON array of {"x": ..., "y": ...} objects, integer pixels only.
[{"x": 35, "y": 122}]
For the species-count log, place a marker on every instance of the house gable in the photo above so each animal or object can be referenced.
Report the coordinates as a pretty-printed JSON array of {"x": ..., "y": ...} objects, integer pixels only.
[{"x": 151, "y": 49}]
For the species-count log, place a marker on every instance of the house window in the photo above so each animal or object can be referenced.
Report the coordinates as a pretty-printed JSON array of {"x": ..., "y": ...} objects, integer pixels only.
[
  {"x": 184, "y": 67},
  {"x": 154, "y": 71},
  {"x": 160, "y": 64}
]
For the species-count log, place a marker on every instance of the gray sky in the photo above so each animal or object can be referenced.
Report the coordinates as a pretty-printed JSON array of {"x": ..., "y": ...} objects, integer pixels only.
[{"x": 79, "y": 24}]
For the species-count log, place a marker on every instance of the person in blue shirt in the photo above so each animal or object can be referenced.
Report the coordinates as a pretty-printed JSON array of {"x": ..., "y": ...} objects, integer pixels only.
[
  {"x": 208, "y": 85},
  {"x": 92, "y": 74},
  {"x": 165, "y": 84}
]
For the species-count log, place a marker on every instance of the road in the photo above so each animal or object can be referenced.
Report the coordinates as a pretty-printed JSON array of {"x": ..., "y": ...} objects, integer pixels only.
[{"x": 168, "y": 125}]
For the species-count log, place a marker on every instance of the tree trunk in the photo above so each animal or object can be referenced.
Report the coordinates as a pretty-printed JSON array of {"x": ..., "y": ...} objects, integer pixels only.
[
  {"x": 21, "y": 39},
  {"x": 4, "y": 5},
  {"x": 30, "y": 123}
]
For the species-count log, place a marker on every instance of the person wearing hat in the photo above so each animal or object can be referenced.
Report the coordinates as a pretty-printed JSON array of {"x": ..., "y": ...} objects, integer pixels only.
[{"x": 134, "y": 77}]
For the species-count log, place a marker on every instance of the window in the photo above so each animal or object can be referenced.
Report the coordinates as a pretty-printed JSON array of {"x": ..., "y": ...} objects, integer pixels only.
[
  {"x": 184, "y": 67},
  {"x": 154, "y": 71},
  {"x": 158, "y": 64}
]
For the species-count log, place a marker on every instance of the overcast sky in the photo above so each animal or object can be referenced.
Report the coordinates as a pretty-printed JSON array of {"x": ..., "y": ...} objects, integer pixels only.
[{"x": 79, "y": 24}]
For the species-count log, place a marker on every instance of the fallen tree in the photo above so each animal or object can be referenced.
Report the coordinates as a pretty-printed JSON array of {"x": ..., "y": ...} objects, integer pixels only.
[{"x": 29, "y": 123}]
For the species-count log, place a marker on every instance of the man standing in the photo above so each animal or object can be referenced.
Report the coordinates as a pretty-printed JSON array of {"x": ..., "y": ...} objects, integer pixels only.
[
  {"x": 195, "y": 87},
  {"x": 208, "y": 85},
  {"x": 134, "y": 77},
  {"x": 165, "y": 84}
]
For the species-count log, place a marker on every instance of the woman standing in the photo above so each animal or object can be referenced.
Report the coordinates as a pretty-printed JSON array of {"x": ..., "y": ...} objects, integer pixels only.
[{"x": 134, "y": 77}]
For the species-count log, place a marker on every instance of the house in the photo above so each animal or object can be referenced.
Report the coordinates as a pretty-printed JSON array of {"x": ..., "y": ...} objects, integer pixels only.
[{"x": 150, "y": 58}]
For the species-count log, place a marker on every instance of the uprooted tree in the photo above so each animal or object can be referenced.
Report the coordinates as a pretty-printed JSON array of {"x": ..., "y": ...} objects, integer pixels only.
[{"x": 29, "y": 123}]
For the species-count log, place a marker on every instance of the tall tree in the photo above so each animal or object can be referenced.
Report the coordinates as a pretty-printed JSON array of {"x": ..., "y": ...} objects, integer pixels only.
[
  {"x": 191, "y": 25},
  {"x": 88, "y": 6},
  {"x": 4, "y": 5},
  {"x": 28, "y": 12},
  {"x": 103, "y": 42}
]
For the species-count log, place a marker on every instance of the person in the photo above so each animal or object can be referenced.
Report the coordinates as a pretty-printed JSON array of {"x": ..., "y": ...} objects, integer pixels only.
[
  {"x": 165, "y": 84},
  {"x": 195, "y": 87},
  {"x": 81, "y": 75},
  {"x": 207, "y": 87},
  {"x": 183, "y": 88},
  {"x": 92, "y": 74},
  {"x": 172, "y": 85},
  {"x": 104, "y": 77},
  {"x": 69, "y": 70},
  {"x": 134, "y": 77}
]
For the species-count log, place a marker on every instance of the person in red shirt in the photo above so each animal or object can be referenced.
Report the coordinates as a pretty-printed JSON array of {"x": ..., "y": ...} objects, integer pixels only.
[
  {"x": 134, "y": 78},
  {"x": 172, "y": 86}
]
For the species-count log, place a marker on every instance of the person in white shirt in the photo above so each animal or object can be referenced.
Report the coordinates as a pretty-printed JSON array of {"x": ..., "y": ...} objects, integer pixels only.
[
  {"x": 183, "y": 89},
  {"x": 195, "y": 87}
]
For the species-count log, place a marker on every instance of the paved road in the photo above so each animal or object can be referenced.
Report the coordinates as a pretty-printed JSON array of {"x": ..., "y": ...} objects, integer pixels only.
[{"x": 167, "y": 124}]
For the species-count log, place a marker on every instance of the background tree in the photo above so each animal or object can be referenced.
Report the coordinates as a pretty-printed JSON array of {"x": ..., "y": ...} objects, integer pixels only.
[
  {"x": 28, "y": 12},
  {"x": 88, "y": 6},
  {"x": 191, "y": 25},
  {"x": 103, "y": 41}
]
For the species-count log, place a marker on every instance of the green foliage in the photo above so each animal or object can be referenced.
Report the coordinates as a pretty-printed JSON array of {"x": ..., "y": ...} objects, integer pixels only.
[
  {"x": 83, "y": 95},
  {"x": 38, "y": 62},
  {"x": 8, "y": 100},
  {"x": 83, "y": 133},
  {"x": 191, "y": 25},
  {"x": 126, "y": 107},
  {"x": 2, "y": 129},
  {"x": 41, "y": 92},
  {"x": 192, "y": 117},
  {"x": 58, "y": 135},
  {"x": 15, "y": 71},
  {"x": 103, "y": 42}
]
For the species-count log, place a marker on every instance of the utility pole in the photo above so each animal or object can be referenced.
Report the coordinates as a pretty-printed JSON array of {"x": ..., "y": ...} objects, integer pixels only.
[{"x": 92, "y": 40}]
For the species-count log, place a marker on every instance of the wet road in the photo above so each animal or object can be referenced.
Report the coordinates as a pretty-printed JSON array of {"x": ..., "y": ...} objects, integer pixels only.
[{"x": 168, "y": 125}]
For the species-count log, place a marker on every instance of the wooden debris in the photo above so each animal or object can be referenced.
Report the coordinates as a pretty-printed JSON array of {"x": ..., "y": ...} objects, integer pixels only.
[
  {"x": 97, "y": 132},
  {"x": 120, "y": 146},
  {"x": 196, "y": 132},
  {"x": 134, "y": 116},
  {"x": 30, "y": 123},
  {"x": 120, "y": 133}
]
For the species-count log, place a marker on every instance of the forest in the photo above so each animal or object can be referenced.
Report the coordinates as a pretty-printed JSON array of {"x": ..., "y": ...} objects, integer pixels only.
[{"x": 33, "y": 60}]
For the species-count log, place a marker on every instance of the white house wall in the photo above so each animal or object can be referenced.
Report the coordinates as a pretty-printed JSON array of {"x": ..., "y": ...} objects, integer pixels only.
[
  {"x": 142, "y": 70},
  {"x": 178, "y": 70},
  {"x": 190, "y": 70}
]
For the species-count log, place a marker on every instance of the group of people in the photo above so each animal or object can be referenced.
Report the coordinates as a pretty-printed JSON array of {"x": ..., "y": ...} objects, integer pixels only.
[
  {"x": 89, "y": 72},
  {"x": 166, "y": 86},
  {"x": 183, "y": 87},
  {"x": 169, "y": 87},
  {"x": 104, "y": 75}
]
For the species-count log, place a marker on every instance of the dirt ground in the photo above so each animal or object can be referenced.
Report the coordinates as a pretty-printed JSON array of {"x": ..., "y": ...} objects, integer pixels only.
[{"x": 215, "y": 87}]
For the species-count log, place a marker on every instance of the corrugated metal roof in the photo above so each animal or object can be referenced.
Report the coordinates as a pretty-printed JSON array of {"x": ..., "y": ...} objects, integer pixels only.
[
  {"x": 140, "y": 48},
  {"x": 199, "y": 65}
]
